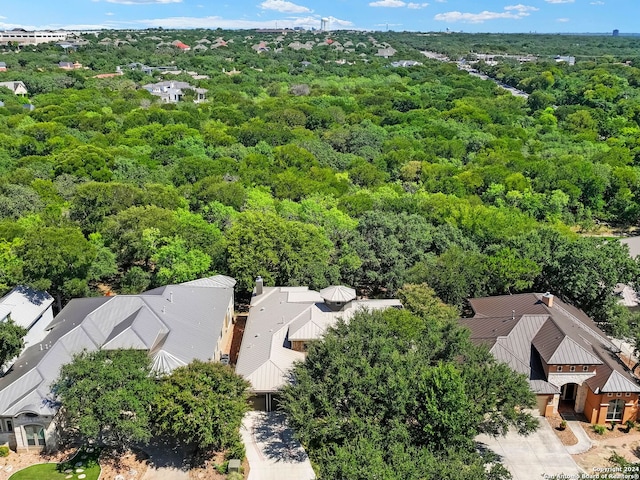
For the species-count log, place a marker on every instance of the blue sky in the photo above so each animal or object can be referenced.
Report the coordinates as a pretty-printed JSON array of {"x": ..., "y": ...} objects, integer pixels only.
[{"x": 430, "y": 15}]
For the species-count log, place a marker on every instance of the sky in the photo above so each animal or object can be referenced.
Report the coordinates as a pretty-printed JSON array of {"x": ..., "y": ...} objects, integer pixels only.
[{"x": 540, "y": 16}]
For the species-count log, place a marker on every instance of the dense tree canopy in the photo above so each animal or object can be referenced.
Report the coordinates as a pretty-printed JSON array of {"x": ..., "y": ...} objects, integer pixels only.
[
  {"x": 323, "y": 165},
  {"x": 398, "y": 394}
]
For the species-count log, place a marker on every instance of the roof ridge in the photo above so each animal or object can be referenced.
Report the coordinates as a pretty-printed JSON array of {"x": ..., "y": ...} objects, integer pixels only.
[{"x": 584, "y": 327}]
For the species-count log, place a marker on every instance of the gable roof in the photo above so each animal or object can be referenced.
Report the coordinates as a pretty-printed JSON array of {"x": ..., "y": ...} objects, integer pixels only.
[
  {"x": 175, "y": 323},
  {"x": 566, "y": 336},
  {"x": 556, "y": 348},
  {"x": 281, "y": 315}
]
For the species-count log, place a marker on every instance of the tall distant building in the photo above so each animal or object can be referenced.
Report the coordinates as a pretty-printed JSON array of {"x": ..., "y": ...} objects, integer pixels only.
[{"x": 616, "y": 32}]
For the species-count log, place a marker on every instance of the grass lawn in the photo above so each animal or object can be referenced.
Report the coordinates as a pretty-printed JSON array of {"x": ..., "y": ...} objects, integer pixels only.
[{"x": 86, "y": 461}]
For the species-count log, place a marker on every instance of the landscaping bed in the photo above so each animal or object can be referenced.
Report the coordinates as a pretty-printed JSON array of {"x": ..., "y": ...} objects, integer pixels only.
[{"x": 565, "y": 435}]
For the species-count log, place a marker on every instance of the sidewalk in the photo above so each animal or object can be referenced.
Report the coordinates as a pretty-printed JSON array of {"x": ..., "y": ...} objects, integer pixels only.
[{"x": 584, "y": 442}]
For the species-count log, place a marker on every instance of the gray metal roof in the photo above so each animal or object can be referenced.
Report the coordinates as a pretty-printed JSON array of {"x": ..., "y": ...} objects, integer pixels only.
[
  {"x": 25, "y": 305},
  {"x": 29, "y": 308},
  {"x": 176, "y": 324},
  {"x": 281, "y": 315},
  {"x": 338, "y": 293}
]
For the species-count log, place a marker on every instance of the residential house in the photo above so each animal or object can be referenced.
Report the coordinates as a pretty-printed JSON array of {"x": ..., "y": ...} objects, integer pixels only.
[
  {"x": 18, "y": 88},
  {"x": 565, "y": 59},
  {"x": 172, "y": 92},
  {"x": 568, "y": 360},
  {"x": 69, "y": 66},
  {"x": 176, "y": 324},
  {"x": 3, "y": 66},
  {"x": 29, "y": 308},
  {"x": 182, "y": 46},
  {"x": 281, "y": 323},
  {"x": 405, "y": 63}
]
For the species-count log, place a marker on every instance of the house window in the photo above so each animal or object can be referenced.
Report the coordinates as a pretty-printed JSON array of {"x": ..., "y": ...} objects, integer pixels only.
[
  {"x": 614, "y": 412},
  {"x": 572, "y": 368},
  {"x": 558, "y": 369},
  {"x": 618, "y": 394},
  {"x": 609, "y": 394},
  {"x": 627, "y": 394},
  {"x": 585, "y": 368},
  {"x": 35, "y": 435}
]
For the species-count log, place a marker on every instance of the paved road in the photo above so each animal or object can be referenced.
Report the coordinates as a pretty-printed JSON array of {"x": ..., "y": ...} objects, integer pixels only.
[
  {"x": 535, "y": 456},
  {"x": 272, "y": 452}
]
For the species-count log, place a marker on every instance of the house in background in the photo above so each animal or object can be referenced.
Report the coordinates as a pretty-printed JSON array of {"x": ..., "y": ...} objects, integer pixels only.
[
  {"x": 69, "y": 65},
  {"x": 18, "y": 87},
  {"x": 176, "y": 324},
  {"x": 281, "y": 323},
  {"x": 172, "y": 92},
  {"x": 29, "y": 308},
  {"x": 568, "y": 360},
  {"x": 180, "y": 45},
  {"x": 3, "y": 66}
]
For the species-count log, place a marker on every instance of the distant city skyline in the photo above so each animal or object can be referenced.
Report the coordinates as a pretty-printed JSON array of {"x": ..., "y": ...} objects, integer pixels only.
[{"x": 539, "y": 16}]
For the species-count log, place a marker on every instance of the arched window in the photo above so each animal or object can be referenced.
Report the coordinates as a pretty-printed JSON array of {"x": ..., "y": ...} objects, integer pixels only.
[
  {"x": 35, "y": 435},
  {"x": 614, "y": 412}
]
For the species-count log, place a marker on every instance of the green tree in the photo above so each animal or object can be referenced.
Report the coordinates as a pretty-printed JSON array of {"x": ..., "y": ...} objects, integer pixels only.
[
  {"x": 390, "y": 383},
  {"x": 282, "y": 252},
  {"x": 11, "y": 340},
  {"x": 106, "y": 396},
  {"x": 57, "y": 259},
  {"x": 202, "y": 403}
]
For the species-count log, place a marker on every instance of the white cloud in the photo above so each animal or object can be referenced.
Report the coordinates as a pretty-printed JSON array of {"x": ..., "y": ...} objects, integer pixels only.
[
  {"x": 283, "y": 6},
  {"x": 597, "y": 3},
  {"x": 109, "y": 14},
  {"x": 521, "y": 8},
  {"x": 559, "y": 1},
  {"x": 563, "y": 20},
  {"x": 219, "y": 22},
  {"x": 388, "y": 3},
  {"x": 143, "y": 2},
  {"x": 512, "y": 12},
  {"x": 398, "y": 4}
]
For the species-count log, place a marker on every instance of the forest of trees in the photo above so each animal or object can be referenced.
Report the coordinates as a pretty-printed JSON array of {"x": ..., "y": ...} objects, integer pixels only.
[
  {"x": 320, "y": 166},
  {"x": 317, "y": 162}
]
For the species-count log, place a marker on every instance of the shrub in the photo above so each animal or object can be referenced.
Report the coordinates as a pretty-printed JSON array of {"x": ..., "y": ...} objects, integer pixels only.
[
  {"x": 563, "y": 425},
  {"x": 4, "y": 451},
  {"x": 235, "y": 450},
  {"x": 223, "y": 467},
  {"x": 235, "y": 476},
  {"x": 619, "y": 460},
  {"x": 599, "y": 429}
]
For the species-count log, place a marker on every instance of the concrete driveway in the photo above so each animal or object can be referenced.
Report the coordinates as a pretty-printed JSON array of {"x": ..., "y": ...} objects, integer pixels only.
[
  {"x": 272, "y": 452},
  {"x": 167, "y": 460},
  {"x": 537, "y": 456}
]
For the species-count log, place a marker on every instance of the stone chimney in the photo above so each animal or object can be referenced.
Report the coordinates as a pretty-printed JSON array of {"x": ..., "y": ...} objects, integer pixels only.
[
  {"x": 259, "y": 285},
  {"x": 547, "y": 299}
]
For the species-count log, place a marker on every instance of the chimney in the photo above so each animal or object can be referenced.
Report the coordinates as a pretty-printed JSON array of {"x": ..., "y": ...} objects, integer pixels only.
[
  {"x": 547, "y": 299},
  {"x": 259, "y": 285}
]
